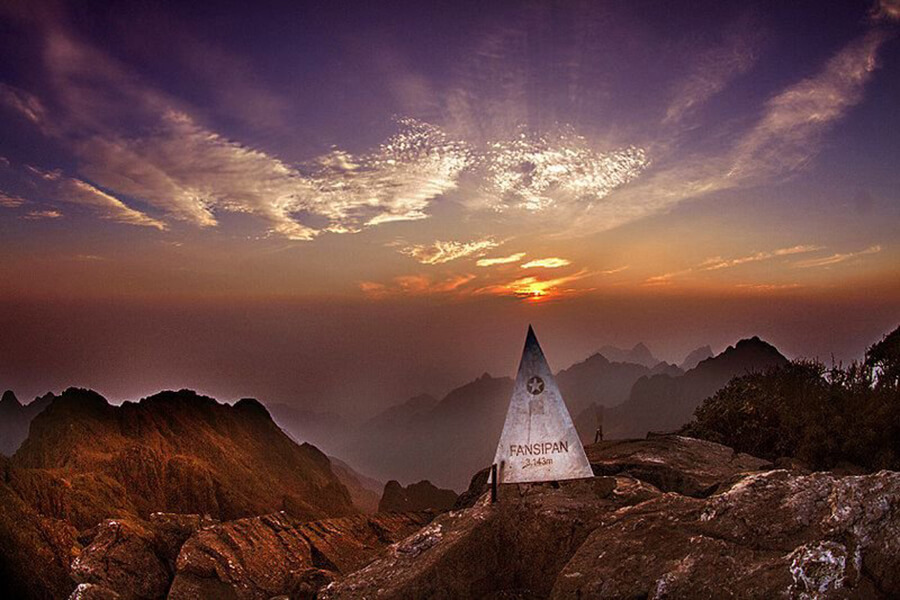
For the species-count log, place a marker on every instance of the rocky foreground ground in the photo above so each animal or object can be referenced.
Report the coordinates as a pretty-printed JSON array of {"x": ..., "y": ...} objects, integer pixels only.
[{"x": 669, "y": 517}]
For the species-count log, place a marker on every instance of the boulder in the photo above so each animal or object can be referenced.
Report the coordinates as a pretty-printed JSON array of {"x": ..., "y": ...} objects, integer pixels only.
[
  {"x": 415, "y": 497},
  {"x": 123, "y": 558},
  {"x": 133, "y": 559},
  {"x": 673, "y": 463},
  {"x": 774, "y": 534},
  {"x": 514, "y": 547},
  {"x": 262, "y": 557}
]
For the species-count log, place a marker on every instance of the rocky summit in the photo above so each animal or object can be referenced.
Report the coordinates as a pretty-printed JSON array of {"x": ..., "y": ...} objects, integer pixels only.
[{"x": 729, "y": 526}]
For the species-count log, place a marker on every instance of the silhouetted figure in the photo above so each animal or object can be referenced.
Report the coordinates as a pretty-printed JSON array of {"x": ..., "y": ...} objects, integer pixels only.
[{"x": 598, "y": 435}]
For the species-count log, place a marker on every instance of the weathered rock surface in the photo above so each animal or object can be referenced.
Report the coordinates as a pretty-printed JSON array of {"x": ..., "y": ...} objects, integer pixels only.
[
  {"x": 773, "y": 534},
  {"x": 35, "y": 551},
  {"x": 514, "y": 547},
  {"x": 134, "y": 559},
  {"x": 92, "y": 591},
  {"x": 414, "y": 497},
  {"x": 276, "y": 554},
  {"x": 673, "y": 463},
  {"x": 122, "y": 558}
]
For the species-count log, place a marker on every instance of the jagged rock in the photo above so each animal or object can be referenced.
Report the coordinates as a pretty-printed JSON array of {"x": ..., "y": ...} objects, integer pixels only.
[
  {"x": 136, "y": 560},
  {"x": 415, "y": 497},
  {"x": 86, "y": 460},
  {"x": 172, "y": 531},
  {"x": 90, "y": 591},
  {"x": 513, "y": 547},
  {"x": 35, "y": 551},
  {"x": 673, "y": 463},
  {"x": 477, "y": 487},
  {"x": 773, "y": 534},
  {"x": 276, "y": 554},
  {"x": 123, "y": 558}
]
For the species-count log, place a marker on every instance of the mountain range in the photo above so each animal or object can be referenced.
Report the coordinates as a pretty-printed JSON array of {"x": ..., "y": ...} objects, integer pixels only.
[
  {"x": 15, "y": 418},
  {"x": 447, "y": 440}
]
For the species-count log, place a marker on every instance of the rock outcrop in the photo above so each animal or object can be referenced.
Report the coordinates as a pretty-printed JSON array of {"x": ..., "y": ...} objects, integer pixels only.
[
  {"x": 262, "y": 557},
  {"x": 133, "y": 559},
  {"x": 755, "y": 534},
  {"x": 35, "y": 551},
  {"x": 516, "y": 546},
  {"x": 414, "y": 497},
  {"x": 772, "y": 535},
  {"x": 673, "y": 463}
]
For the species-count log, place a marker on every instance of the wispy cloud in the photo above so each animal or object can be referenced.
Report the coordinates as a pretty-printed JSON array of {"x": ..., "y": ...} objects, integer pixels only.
[
  {"x": 714, "y": 68},
  {"x": 109, "y": 207},
  {"x": 666, "y": 278},
  {"x": 836, "y": 258},
  {"x": 713, "y": 264},
  {"x": 35, "y": 215},
  {"x": 768, "y": 287},
  {"x": 503, "y": 260},
  {"x": 536, "y": 172},
  {"x": 190, "y": 172},
  {"x": 717, "y": 262},
  {"x": 614, "y": 271},
  {"x": 547, "y": 263},
  {"x": 789, "y": 134},
  {"x": 442, "y": 252},
  {"x": 415, "y": 285},
  {"x": 76, "y": 191},
  {"x": 888, "y": 10},
  {"x": 22, "y": 102},
  {"x": 782, "y": 142},
  {"x": 10, "y": 201}
]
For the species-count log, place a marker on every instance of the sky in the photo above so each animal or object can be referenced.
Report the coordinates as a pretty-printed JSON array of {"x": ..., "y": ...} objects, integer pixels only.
[{"x": 339, "y": 205}]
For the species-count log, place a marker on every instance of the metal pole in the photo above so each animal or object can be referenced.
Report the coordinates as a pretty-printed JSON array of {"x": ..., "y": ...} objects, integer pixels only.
[{"x": 493, "y": 483}]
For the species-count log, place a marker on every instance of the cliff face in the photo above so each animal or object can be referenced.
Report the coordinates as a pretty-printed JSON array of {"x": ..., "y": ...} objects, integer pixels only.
[{"x": 86, "y": 460}]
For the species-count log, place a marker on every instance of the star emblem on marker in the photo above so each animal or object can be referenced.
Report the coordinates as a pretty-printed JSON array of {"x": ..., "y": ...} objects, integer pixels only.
[{"x": 535, "y": 385}]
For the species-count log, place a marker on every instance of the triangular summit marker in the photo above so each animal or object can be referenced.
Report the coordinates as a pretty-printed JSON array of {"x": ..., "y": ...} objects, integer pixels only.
[{"x": 539, "y": 441}]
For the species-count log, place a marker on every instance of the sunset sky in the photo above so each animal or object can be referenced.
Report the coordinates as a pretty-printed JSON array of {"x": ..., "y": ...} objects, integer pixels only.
[{"x": 343, "y": 204}]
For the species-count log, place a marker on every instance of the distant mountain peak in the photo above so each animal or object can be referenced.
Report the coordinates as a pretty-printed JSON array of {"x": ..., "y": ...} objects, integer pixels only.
[
  {"x": 252, "y": 405},
  {"x": 639, "y": 354},
  {"x": 9, "y": 399},
  {"x": 695, "y": 357}
]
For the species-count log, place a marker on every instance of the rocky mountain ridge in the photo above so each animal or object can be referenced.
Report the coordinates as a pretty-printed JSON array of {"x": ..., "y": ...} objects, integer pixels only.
[
  {"x": 446, "y": 441},
  {"x": 720, "y": 525}
]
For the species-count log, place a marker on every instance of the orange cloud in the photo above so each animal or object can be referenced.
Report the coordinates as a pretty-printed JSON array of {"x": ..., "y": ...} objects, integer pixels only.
[
  {"x": 532, "y": 288},
  {"x": 835, "y": 258},
  {"x": 441, "y": 252},
  {"x": 414, "y": 285},
  {"x": 503, "y": 260},
  {"x": 547, "y": 263}
]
